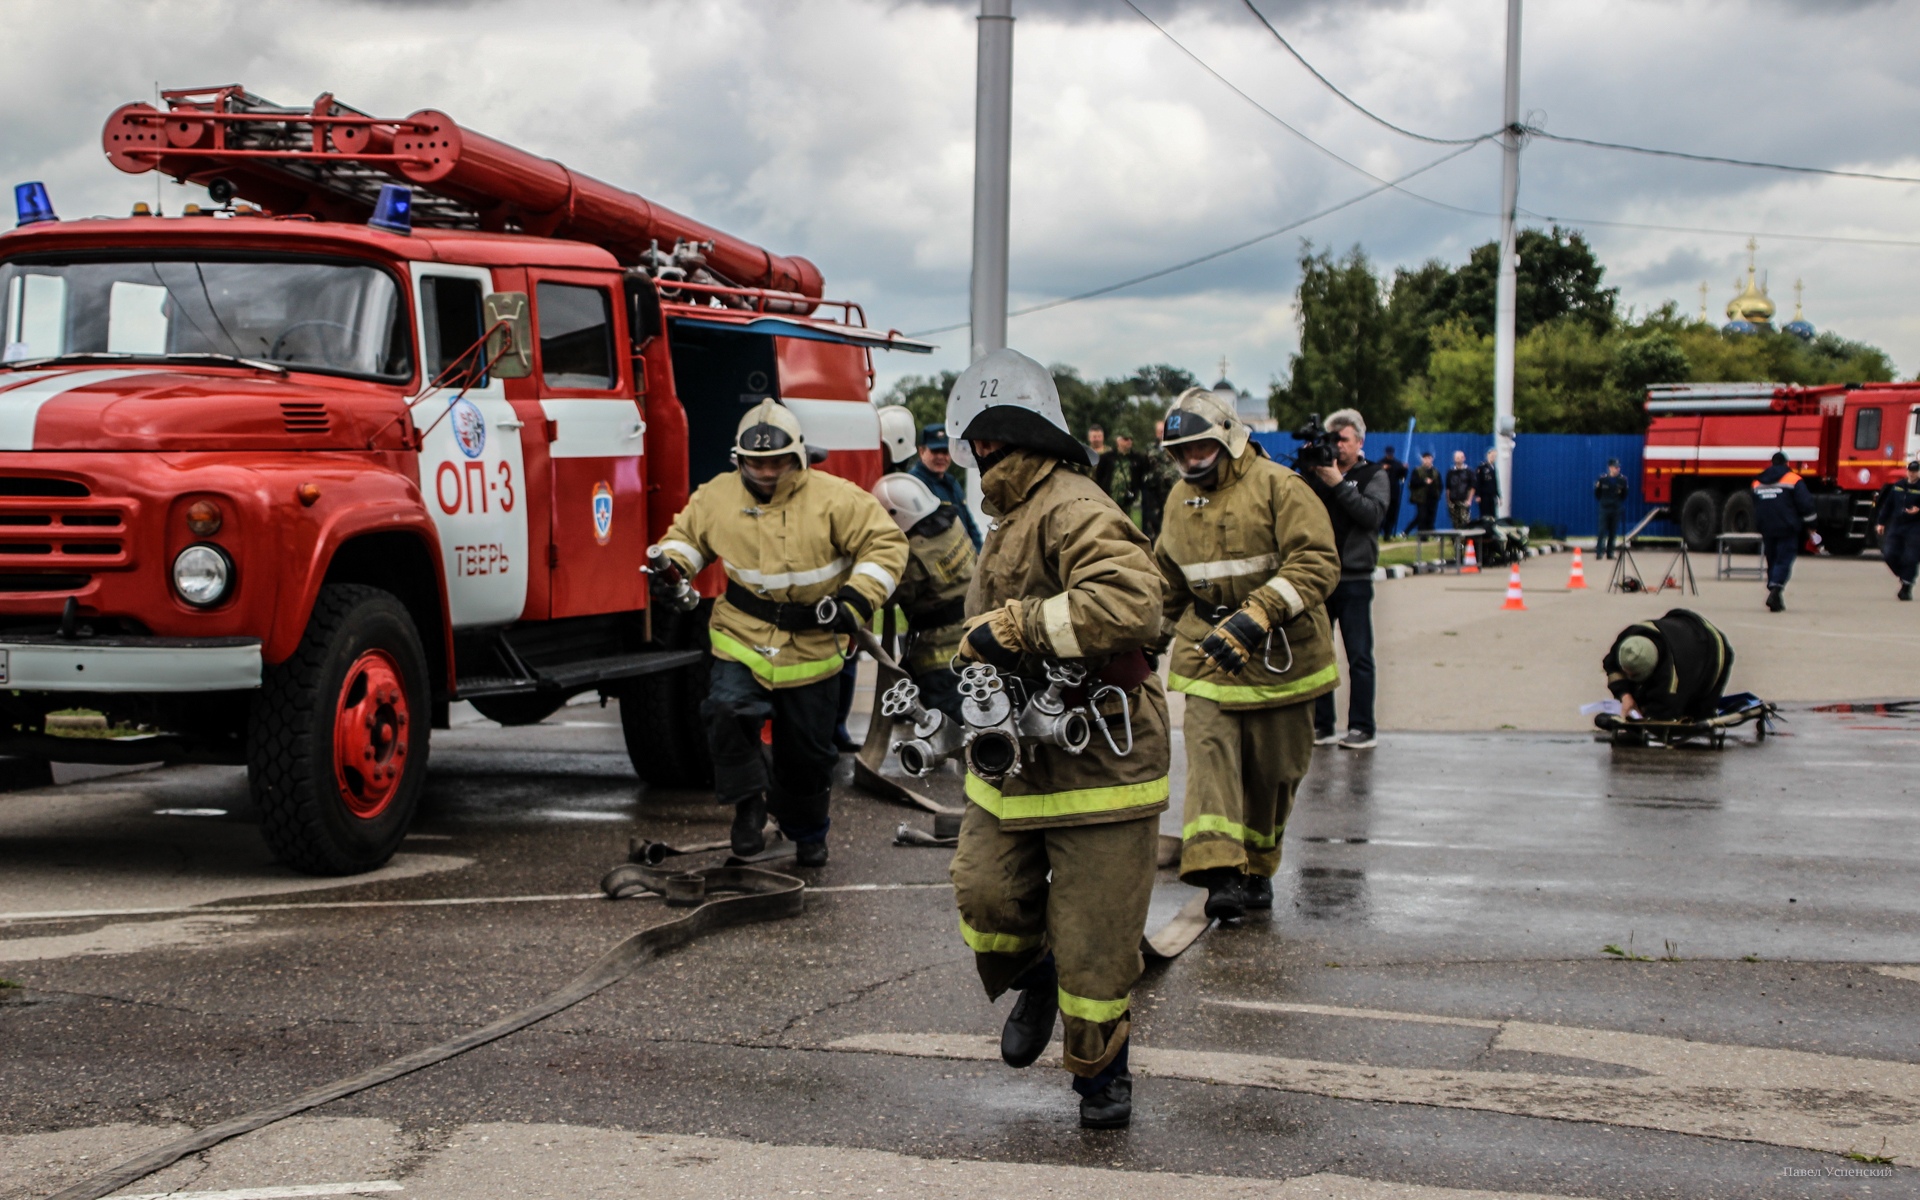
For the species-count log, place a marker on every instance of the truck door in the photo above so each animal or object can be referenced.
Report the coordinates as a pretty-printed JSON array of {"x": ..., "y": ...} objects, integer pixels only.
[
  {"x": 471, "y": 467},
  {"x": 599, "y": 438},
  {"x": 1913, "y": 434}
]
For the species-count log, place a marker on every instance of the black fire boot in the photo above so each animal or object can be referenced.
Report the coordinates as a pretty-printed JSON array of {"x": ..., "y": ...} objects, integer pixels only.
[
  {"x": 1905, "y": 592},
  {"x": 1029, "y": 1026},
  {"x": 1258, "y": 891},
  {"x": 1106, "y": 1100},
  {"x": 810, "y": 854},
  {"x": 749, "y": 835},
  {"x": 1226, "y": 895},
  {"x": 1774, "y": 602}
]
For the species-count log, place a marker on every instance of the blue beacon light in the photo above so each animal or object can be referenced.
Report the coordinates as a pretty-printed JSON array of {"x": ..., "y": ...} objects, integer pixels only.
[
  {"x": 33, "y": 203},
  {"x": 393, "y": 212}
]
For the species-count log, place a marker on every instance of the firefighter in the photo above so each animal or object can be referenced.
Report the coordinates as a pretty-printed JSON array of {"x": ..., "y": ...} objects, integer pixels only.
[
  {"x": 1782, "y": 512},
  {"x": 933, "y": 592},
  {"x": 808, "y": 557},
  {"x": 1670, "y": 669},
  {"x": 897, "y": 434},
  {"x": 1055, "y": 864},
  {"x": 1610, "y": 494},
  {"x": 1898, "y": 524},
  {"x": 1249, "y": 560}
]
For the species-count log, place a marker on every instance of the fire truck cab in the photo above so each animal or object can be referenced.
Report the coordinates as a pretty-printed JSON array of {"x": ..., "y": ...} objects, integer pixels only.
[
  {"x": 1706, "y": 443},
  {"x": 278, "y": 484}
]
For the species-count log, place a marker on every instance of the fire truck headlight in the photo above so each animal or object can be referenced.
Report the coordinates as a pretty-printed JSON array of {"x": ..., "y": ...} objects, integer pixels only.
[{"x": 202, "y": 574}]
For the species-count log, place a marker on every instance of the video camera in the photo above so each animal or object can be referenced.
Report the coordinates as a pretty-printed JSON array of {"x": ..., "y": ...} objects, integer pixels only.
[{"x": 1317, "y": 445}]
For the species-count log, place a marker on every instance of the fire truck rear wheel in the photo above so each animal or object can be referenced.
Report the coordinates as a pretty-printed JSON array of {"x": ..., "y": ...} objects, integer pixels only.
[
  {"x": 518, "y": 710},
  {"x": 660, "y": 719},
  {"x": 337, "y": 749},
  {"x": 1700, "y": 520},
  {"x": 1737, "y": 516}
]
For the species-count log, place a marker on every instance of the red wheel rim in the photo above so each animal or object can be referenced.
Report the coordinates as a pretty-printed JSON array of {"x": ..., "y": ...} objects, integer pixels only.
[{"x": 370, "y": 735}]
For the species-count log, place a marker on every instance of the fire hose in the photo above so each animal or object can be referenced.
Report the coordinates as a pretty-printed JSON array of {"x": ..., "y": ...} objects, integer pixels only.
[{"x": 756, "y": 896}]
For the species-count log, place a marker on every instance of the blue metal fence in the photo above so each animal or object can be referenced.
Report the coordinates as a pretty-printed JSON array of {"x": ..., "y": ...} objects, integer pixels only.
[{"x": 1553, "y": 473}]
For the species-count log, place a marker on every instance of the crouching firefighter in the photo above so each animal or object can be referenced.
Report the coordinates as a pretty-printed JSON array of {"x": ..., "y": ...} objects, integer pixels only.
[
  {"x": 808, "y": 558},
  {"x": 1249, "y": 559},
  {"x": 1671, "y": 669},
  {"x": 933, "y": 592},
  {"x": 1055, "y": 863}
]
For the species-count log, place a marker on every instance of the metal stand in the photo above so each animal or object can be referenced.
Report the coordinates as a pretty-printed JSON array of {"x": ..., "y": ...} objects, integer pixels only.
[{"x": 1723, "y": 567}]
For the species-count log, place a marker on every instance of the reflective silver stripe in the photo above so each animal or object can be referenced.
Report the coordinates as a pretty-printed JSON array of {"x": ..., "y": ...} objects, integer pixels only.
[
  {"x": 786, "y": 579},
  {"x": 880, "y": 573},
  {"x": 676, "y": 546},
  {"x": 1057, "y": 621},
  {"x": 1295, "y": 605},
  {"x": 1227, "y": 568}
]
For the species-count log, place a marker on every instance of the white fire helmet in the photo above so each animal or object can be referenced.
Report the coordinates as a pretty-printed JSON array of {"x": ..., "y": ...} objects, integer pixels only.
[
  {"x": 769, "y": 430},
  {"x": 907, "y": 499},
  {"x": 898, "y": 432},
  {"x": 1008, "y": 397},
  {"x": 1199, "y": 413}
]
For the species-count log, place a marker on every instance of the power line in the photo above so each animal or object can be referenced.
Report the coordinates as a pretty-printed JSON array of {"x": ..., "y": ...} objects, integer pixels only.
[
  {"x": 1753, "y": 233},
  {"x": 1276, "y": 118},
  {"x": 1362, "y": 109},
  {"x": 1535, "y": 131},
  {"x": 1385, "y": 185}
]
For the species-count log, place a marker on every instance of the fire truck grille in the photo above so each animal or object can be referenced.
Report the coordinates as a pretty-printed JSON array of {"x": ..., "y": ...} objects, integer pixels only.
[
  {"x": 21, "y": 485},
  {"x": 22, "y": 581},
  {"x": 304, "y": 416}
]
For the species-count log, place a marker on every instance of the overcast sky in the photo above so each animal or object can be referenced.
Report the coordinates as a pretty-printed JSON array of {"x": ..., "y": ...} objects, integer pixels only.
[{"x": 843, "y": 130}]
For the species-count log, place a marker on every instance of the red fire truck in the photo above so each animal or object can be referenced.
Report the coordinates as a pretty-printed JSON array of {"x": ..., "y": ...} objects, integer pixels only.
[
  {"x": 390, "y": 426},
  {"x": 1706, "y": 442}
]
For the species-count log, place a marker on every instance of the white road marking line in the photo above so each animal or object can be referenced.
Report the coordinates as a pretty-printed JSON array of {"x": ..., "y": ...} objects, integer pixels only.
[
  {"x": 1791, "y": 1098},
  {"x": 1911, "y": 974},
  {"x": 129, "y": 938},
  {"x": 1376, "y": 1014},
  {"x": 366, "y": 1188},
  {"x": 82, "y": 914}
]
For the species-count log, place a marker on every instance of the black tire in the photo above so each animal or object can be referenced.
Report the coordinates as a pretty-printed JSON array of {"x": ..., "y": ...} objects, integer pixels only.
[
  {"x": 1737, "y": 515},
  {"x": 1700, "y": 520},
  {"x": 518, "y": 710},
  {"x": 308, "y": 801},
  {"x": 660, "y": 720}
]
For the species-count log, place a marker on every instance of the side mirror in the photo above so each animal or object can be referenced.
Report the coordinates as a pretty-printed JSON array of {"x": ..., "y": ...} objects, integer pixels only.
[{"x": 511, "y": 347}]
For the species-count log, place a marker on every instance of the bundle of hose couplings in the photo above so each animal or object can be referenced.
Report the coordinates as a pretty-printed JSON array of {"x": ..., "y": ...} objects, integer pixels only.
[{"x": 1003, "y": 719}]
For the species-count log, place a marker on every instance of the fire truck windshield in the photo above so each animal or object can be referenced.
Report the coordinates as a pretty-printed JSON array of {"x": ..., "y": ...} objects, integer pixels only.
[{"x": 331, "y": 316}]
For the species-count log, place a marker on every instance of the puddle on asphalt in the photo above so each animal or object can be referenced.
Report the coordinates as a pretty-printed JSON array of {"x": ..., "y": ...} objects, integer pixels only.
[{"x": 1331, "y": 894}]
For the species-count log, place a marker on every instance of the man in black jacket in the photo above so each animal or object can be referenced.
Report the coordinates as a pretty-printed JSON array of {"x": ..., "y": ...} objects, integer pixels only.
[
  {"x": 1898, "y": 524},
  {"x": 1396, "y": 473},
  {"x": 1486, "y": 487},
  {"x": 1669, "y": 669},
  {"x": 1460, "y": 491},
  {"x": 1782, "y": 512},
  {"x": 1423, "y": 490},
  {"x": 1355, "y": 493},
  {"x": 1610, "y": 494}
]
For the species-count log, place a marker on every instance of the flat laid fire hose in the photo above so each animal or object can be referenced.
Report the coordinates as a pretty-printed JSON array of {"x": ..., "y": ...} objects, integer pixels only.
[{"x": 757, "y": 896}]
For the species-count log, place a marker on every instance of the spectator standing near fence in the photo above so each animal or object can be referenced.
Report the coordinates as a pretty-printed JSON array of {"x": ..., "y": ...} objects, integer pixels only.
[
  {"x": 1610, "y": 495},
  {"x": 935, "y": 469},
  {"x": 1782, "y": 513},
  {"x": 1155, "y": 484},
  {"x": 1460, "y": 491},
  {"x": 1898, "y": 524},
  {"x": 1423, "y": 491},
  {"x": 1129, "y": 467},
  {"x": 1396, "y": 473},
  {"x": 1486, "y": 489},
  {"x": 1355, "y": 493}
]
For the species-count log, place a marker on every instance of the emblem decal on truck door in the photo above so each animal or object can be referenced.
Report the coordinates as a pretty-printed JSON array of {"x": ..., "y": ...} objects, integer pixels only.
[
  {"x": 469, "y": 427},
  {"x": 602, "y": 512}
]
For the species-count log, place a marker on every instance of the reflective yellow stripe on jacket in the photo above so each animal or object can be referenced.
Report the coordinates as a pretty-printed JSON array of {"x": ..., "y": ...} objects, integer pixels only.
[
  {"x": 763, "y": 666},
  {"x": 1077, "y": 803},
  {"x": 1228, "y": 693}
]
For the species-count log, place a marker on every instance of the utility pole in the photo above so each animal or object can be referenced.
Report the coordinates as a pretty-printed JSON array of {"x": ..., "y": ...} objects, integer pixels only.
[
  {"x": 992, "y": 148},
  {"x": 1503, "y": 304}
]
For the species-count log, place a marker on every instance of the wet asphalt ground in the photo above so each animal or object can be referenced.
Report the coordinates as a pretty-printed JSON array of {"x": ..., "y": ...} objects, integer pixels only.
[{"x": 1430, "y": 1005}]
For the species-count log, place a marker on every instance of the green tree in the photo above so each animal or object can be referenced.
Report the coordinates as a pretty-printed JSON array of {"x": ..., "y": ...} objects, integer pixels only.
[
  {"x": 925, "y": 396},
  {"x": 1418, "y": 302},
  {"x": 1558, "y": 276},
  {"x": 1346, "y": 357}
]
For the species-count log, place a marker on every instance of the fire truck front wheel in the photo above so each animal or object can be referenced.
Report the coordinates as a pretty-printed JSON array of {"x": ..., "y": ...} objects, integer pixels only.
[
  {"x": 1700, "y": 520},
  {"x": 666, "y": 740},
  {"x": 337, "y": 748}
]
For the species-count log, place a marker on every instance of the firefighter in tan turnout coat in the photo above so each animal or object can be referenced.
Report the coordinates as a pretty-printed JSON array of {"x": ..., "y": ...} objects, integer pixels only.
[
  {"x": 1248, "y": 554},
  {"x": 808, "y": 558},
  {"x": 1055, "y": 864}
]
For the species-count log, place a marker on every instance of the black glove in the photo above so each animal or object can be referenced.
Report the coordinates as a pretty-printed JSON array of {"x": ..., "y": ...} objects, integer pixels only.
[
  {"x": 1232, "y": 642},
  {"x": 845, "y": 612}
]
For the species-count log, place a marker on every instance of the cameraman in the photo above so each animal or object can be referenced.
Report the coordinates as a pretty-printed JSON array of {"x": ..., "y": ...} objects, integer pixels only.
[{"x": 1356, "y": 493}]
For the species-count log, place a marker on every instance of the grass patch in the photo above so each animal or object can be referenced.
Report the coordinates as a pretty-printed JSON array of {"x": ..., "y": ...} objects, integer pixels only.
[
  {"x": 1626, "y": 955},
  {"x": 8, "y": 983},
  {"x": 86, "y": 723}
]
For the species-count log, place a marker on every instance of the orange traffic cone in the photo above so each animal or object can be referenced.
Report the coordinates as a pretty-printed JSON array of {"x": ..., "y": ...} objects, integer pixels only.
[
  {"x": 1470, "y": 565},
  {"x": 1578, "y": 579},
  {"x": 1514, "y": 599}
]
